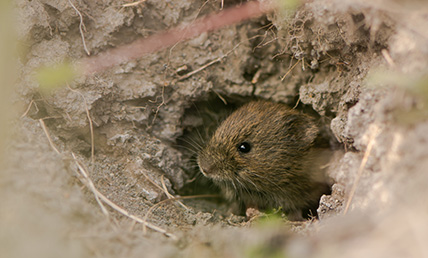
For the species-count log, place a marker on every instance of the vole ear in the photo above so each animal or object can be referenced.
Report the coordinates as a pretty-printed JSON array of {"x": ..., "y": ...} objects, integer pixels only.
[{"x": 302, "y": 127}]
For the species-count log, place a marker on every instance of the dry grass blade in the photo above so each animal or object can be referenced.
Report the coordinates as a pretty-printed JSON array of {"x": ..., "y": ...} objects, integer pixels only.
[
  {"x": 220, "y": 97},
  {"x": 173, "y": 199},
  {"x": 361, "y": 168},
  {"x": 289, "y": 70},
  {"x": 42, "y": 123},
  {"x": 134, "y": 3},
  {"x": 187, "y": 75},
  {"x": 170, "y": 196},
  {"x": 388, "y": 57},
  {"x": 81, "y": 28},
  {"x": 163, "y": 188},
  {"x": 28, "y": 109},
  {"x": 100, "y": 196},
  {"x": 88, "y": 182}
]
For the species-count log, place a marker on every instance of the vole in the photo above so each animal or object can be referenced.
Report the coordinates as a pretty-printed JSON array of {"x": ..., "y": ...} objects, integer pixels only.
[{"x": 263, "y": 156}]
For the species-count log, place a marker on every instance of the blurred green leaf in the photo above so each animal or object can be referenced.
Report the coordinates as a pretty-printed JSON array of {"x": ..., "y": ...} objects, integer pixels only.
[
  {"x": 55, "y": 76},
  {"x": 264, "y": 251},
  {"x": 271, "y": 219},
  {"x": 288, "y": 4}
]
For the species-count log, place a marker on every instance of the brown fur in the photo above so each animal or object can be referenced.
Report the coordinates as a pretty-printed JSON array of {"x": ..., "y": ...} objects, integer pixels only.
[{"x": 282, "y": 167}]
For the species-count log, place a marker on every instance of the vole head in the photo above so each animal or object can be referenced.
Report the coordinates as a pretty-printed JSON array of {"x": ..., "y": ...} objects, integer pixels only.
[{"x": 260, "y": 146}]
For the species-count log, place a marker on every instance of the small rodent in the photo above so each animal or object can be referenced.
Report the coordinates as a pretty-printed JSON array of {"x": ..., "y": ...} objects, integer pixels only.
[{"x": 263, "y": 156}]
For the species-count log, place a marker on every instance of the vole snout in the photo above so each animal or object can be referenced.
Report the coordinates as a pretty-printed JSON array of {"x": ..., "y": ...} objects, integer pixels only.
[{"x": 206, "y": 167}]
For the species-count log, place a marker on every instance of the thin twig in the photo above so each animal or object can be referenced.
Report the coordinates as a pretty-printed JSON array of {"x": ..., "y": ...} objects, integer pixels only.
[
  {"x": 81, "y": 27},
  {"x": 289, "y": 70},
  {"x": 297, "y": 103},
  {"x": 28, "y": 109},
  {"x": 200, "y": 9},
  {"x": 361, "y": 168},
  {"x": 88, "y": 182},
  {"x": 163, "y": 188},
  {"x": 388, "y": 57},
  {"x": 220, "y": 97},
  {"x": 265, "y": 43},
  {"x": 173, "y": 199},
  {"x": 91, "y": 126},
  {"x": 123, "y": 211},
  {"x": 151, "y": 181},
  {"x": 170, "y": 196},
  {"x": 187, "y": 75},
  {"x": 100, "y": 197},
  {"x": 134, "y": 3},
  {"x": 42, "y": 123}
]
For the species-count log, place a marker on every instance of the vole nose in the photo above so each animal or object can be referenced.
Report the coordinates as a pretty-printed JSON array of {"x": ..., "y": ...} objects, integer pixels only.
[
  {"x": 206, "y": 167},
  {"x": 206, "y": 170}
]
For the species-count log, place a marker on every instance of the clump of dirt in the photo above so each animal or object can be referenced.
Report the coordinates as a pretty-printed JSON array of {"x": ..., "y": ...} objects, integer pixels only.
[{"x": 359, "y": 66}]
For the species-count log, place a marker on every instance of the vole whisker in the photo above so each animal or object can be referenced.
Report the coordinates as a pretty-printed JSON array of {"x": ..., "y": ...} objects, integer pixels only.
[
  {"x": 191, "y": 150},
  {"x": 243, "y": 186},
  {"x": 269, "y": 181},
  {"x": 195, "y": 145},
  {"x": 234, "y": 186},
  {"x": 200, "y": 137},
  {"x": 247, "y": 178}
]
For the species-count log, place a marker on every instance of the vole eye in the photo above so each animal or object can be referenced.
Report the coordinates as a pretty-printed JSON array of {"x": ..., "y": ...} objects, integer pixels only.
[{"x": 244, "y": 147}]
